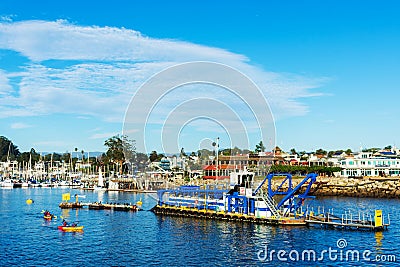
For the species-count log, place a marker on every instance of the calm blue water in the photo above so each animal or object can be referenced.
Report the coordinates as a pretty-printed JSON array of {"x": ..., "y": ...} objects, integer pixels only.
[{"x": 144, "y": 239}]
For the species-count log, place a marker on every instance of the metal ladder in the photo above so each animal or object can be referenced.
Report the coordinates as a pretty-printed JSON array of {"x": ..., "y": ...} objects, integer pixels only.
[{"x": 270, "y": 203}]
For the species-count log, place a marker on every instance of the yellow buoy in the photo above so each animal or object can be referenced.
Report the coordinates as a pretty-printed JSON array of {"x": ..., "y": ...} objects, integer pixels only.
[
  {"x": 139, "y": 203},
  {"x": 29, "y": 201},
  {"x": 378, "y": 218}
]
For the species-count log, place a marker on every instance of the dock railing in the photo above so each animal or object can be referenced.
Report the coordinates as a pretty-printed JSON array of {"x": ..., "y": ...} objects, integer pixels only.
[{"x": 349, "y": 220}]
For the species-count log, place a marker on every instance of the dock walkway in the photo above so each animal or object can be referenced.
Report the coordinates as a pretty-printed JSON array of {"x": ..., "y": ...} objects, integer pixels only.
[
  {"x": 99, "y": 206},
  {"x": 348, "y": 221}
]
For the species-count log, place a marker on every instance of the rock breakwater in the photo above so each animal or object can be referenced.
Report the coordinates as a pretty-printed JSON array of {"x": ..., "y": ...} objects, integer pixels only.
[{"x": 364, "y": 187}]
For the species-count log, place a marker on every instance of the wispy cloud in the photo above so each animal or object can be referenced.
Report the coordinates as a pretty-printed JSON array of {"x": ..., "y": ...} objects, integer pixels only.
[
  {"x": 20, "y": 125},
  {"x": 101, "y": 68},
  {"x": 50, "y": 143},
  {"x": 5, "y": 86},
  {"x": 60, "y": 40},
  {"x": 103, "y": 135},
  {"x": 7, "y": 18}
]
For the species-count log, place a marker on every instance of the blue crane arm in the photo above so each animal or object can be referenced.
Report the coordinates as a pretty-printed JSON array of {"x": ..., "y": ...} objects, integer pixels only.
[
  {"x": 269, "y": 177},
  {"x": 262, "y": 183},
  {"x": 288, "y": 178},
  {"x": 311, "y": 177}
]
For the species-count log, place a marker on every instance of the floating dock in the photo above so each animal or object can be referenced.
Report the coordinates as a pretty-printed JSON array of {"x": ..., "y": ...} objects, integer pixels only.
[
  {"x": 349, "y": 221},
  {"x": 99, "y": 206},
  {"x": 71, "y": 205},
  {"x": 94, "y": 205}
]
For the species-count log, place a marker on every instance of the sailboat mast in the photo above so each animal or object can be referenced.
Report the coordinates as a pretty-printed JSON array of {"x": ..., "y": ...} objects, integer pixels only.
[{"x": 8, "y": 153}]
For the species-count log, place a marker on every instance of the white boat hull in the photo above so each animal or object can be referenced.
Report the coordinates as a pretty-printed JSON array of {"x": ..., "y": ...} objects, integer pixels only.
[{"x": 7, "y": 184}]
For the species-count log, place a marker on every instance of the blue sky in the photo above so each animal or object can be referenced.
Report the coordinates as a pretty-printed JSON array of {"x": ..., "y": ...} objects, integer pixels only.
[{"x": 330, "y": 70}]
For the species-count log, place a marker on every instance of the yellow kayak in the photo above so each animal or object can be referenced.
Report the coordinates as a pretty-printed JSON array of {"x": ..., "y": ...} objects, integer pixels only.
[{"x": 70, "y": 228}]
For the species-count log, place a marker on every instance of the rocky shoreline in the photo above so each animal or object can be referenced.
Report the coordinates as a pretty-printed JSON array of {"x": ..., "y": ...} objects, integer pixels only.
[{"x": 364, "y": 187}]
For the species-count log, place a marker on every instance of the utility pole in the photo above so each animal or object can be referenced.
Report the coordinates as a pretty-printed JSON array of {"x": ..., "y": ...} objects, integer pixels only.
[{"x": 216, "y": 163}]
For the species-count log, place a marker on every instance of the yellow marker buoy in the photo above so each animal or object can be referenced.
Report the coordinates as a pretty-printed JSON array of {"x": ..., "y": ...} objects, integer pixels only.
[
  {"x": 29, "y": 201},
  {"x": 378, "y": 218},
  {"x": 139, "y": 203}
]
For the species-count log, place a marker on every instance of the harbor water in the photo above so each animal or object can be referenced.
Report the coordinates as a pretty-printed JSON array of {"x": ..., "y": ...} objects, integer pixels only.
[{"x": 118, "y": 238}]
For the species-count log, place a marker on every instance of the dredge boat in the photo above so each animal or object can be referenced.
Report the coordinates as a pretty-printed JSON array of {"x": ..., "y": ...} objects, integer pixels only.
[{"x": 243, "y": 200}]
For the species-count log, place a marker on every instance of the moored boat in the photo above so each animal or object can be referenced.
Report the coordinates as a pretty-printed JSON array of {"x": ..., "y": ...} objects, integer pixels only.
[
  {"x": 8, "y": 183},
  {"x": 17, "y": 184},
  {"x": 100, "y": 183},
  {"x": 64, "y": 184}
]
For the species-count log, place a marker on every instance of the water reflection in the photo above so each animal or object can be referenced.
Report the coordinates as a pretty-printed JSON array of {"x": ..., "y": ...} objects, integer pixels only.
[
  {"x": 378, "y": 240},
  {"x": 100, "y": 196},
  {"x": 65, "y": 213}
]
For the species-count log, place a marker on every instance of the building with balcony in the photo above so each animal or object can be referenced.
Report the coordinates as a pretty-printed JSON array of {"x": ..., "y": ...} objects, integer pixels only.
[{"x": 369, "y": 164}]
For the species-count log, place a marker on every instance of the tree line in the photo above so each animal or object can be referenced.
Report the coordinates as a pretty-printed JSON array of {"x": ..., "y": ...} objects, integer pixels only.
[
  {"x": 303, "y": 170},
  {"x": 120, "y": 150}
]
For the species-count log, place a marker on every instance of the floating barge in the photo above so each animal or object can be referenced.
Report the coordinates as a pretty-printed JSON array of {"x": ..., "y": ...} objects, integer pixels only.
[
  {"x": 208, "y": 214},
  {"x": 71, "y": 205},
  {"x": 99, "y": 206},
  {"x": 95, "y": 205},
  {"x": 113, "y": 206},
  {"x": 248, "y": 203}
]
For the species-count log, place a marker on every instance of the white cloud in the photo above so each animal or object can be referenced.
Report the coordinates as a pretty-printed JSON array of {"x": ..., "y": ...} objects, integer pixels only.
[
  {"x": 20, "y": 125},
  {"x": 44, "y": 40},
  {"x": 103, "y": 135},
  {"x": 7, "y": 18},
  {"x": 51, "y": 143},
  {"x": 5, "y": 86},
  {"x": 102, "y": 67}
]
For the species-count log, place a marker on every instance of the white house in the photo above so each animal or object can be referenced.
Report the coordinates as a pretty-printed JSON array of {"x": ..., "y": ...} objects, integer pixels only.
[{"x": 365, "y": 164}]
